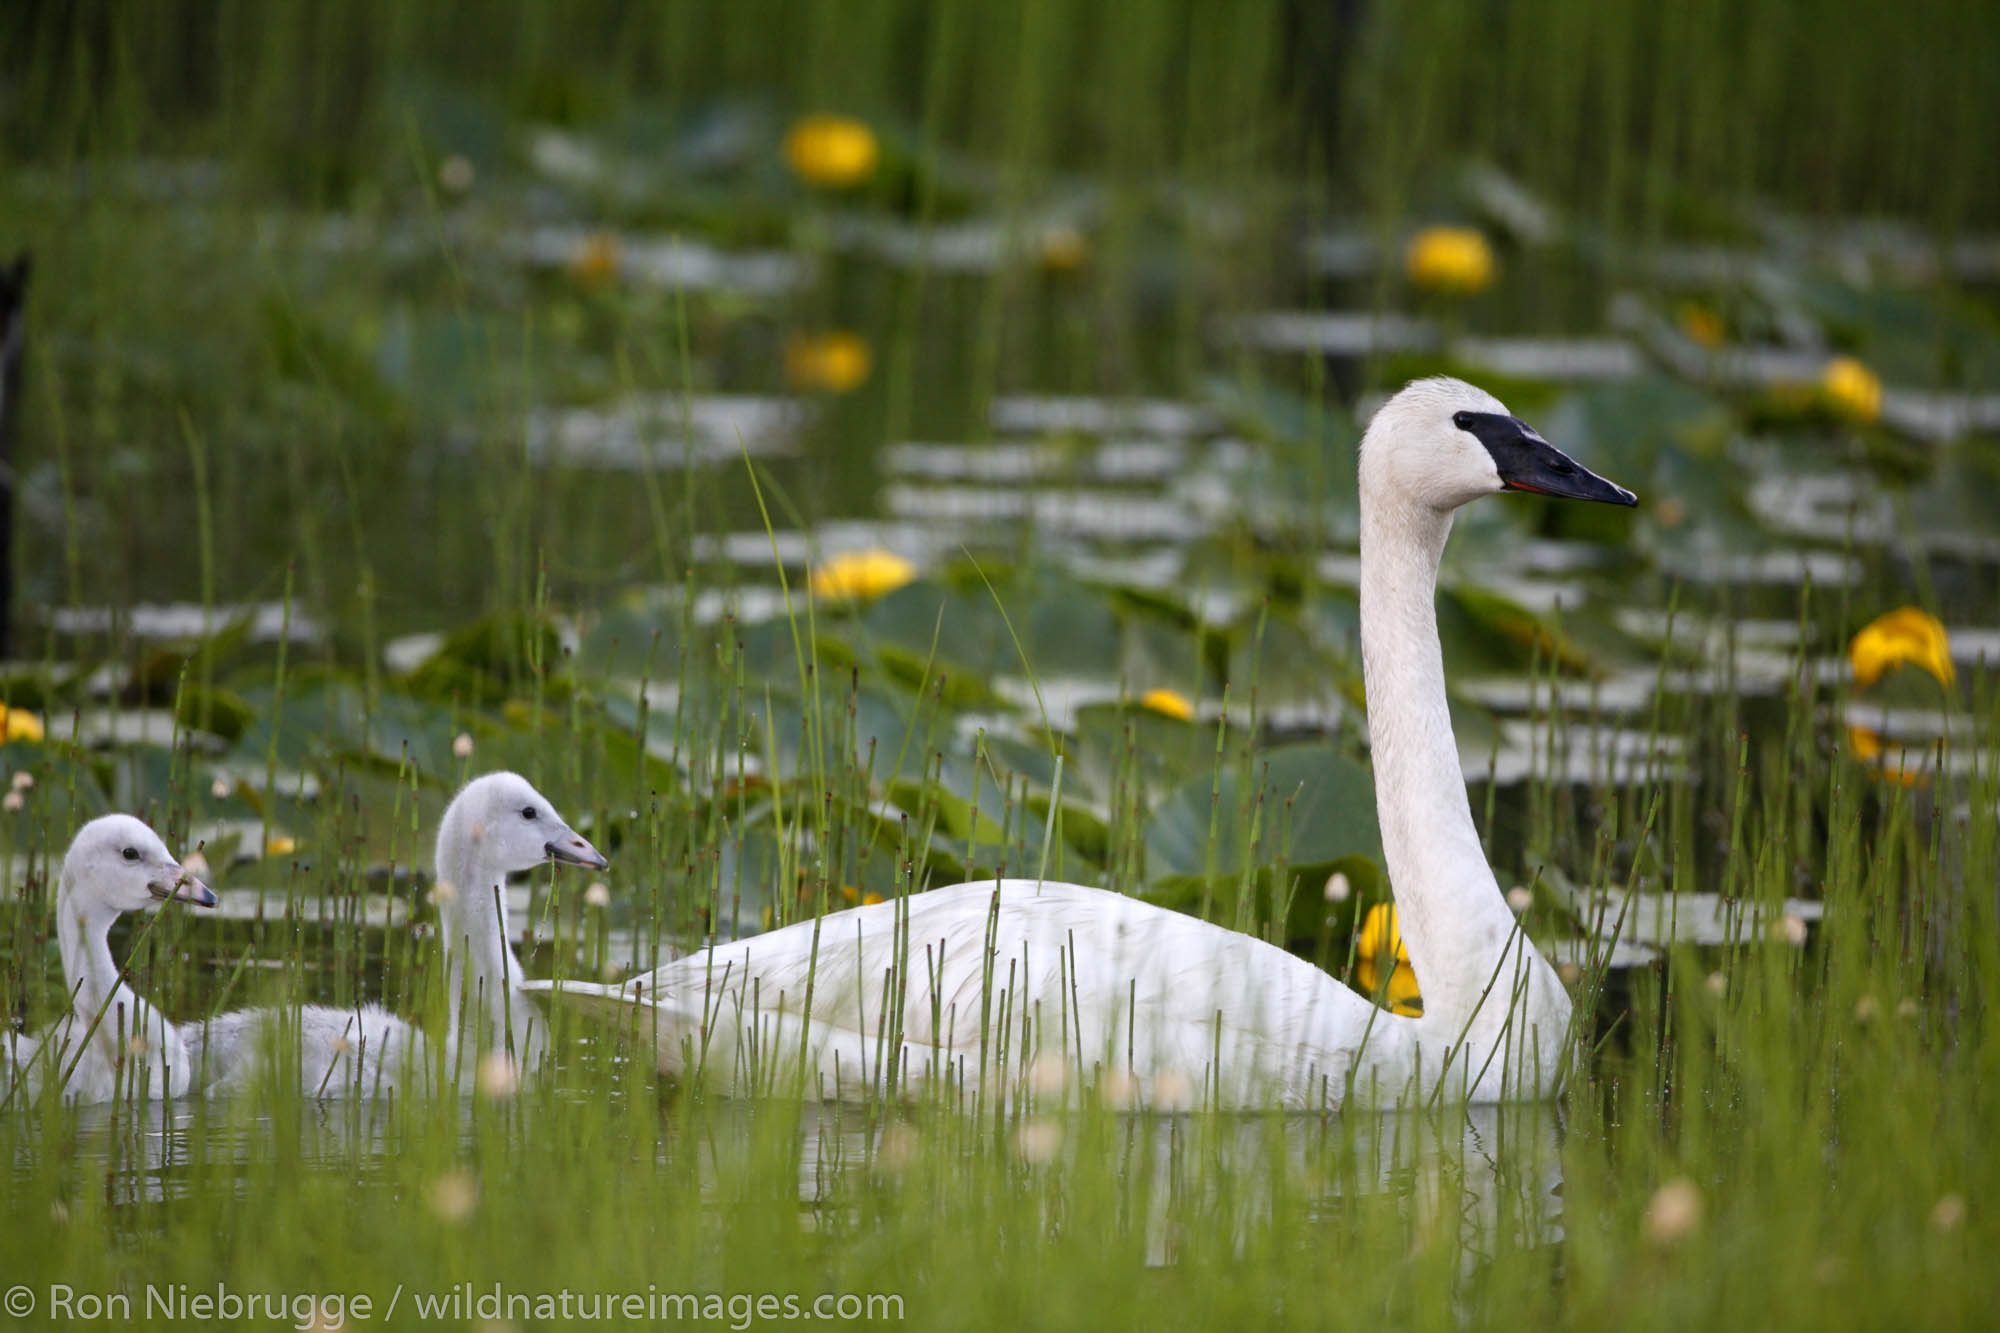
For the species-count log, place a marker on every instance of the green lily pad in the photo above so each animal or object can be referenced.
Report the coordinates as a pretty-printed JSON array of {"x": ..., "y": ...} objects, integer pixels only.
[{"x": 1331, "y": 801}]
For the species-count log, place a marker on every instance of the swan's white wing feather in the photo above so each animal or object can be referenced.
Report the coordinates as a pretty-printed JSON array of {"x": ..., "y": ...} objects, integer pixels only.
[
  {"x": 339, "y": 1052},
  {"x": 998, "y": 977}
]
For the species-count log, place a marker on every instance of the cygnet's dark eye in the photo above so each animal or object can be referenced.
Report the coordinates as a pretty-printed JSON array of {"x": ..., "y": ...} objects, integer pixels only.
[
  {"x": 131, "y": 853},
  {"x": 528, "y": 812}
]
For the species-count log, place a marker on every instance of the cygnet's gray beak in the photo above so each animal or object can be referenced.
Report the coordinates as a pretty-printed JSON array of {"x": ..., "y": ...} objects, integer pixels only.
[
  {"x": 182, "y": 887},
  {"x": 572, "y": 849}
]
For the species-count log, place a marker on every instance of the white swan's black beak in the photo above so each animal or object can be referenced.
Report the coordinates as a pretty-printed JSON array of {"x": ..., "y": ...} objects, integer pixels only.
[
  {"x": 183, "y": 887},
  {"x": 571, "y": 849},
  {"x": 1527, "y": 462}
]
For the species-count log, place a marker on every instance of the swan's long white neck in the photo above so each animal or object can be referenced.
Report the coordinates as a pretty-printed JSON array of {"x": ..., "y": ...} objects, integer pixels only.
[
  {"x": 1457, "y": 927},
  {"x": 483, "y": 974},
  {"x": 83, "y": 934}
]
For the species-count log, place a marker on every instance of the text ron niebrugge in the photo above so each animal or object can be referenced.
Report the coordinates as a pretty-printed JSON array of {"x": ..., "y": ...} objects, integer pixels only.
[{"x": 319, "y": 1310}]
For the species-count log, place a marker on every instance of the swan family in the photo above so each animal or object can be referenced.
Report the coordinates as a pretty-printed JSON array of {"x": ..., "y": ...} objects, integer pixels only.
[
  {"x": 113, "y": 1044},
  {"x": 985, "y": 990},
  {"x": 989, "y": 988}
]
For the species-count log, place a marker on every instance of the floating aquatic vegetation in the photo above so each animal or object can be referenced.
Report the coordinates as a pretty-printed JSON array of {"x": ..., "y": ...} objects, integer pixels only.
[
  {"x": 1528, "y": 217},
  {"x": 1342, "y": 253},
  {"x": 673, "y": 262},
  {"x": 1054, "y": 242},
  {"x": 1112, "y": 516},
  {"x": 1790, "y": 569},
  {"x": 1028, "y": 621},
  {"x": 1334, "y": 333},
  {"x": 1659, "y": 920},
  {"x": 133, "y": 726},
  {"x": 650, "y": 431},
  {"x": 1099, "y": 416},
  {"x": 1573, "y": 753},
  {"x": 566, "y": 157},
  {"x": 1308, "y": 806},
  {"x": 258, "y": 622},
  {"x": 1568, "y": 360},
  {"x": 1112, "y": 460}
]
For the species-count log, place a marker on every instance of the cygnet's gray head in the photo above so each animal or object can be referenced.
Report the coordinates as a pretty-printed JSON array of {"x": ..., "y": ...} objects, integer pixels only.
[
  {"x": 1441, "y": 443},
  {"x": 118, "y": 863},
  {"x": 514, "y": 826}
]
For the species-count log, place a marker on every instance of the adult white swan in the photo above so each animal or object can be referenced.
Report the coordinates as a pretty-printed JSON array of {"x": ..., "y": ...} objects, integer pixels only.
[
  {"x": 496, "y": 825},
  {"x": 1001, "y": 987},
  {"x": 112, "y": 1043}
]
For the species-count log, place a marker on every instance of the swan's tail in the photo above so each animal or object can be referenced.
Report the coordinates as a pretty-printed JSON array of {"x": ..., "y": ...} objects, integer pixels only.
[
  {"x": 625, "y": 1011},
  {"x": 611, "y": 1005},
  {"x": 742, "y": 1053}
]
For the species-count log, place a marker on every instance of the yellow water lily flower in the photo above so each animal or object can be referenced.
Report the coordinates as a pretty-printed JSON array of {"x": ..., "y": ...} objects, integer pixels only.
[
  {"x": 1851, "y": 389},
  {"x": 1868, "y": 748},
  {"x": 866, "y": 898},
  {"x": 1450, "y": 259},
  {"x": 1403, "y": 996},
  {"x": 1885, "y": 644},
  {"x": 1063, "y": 248},
  {"x": 862, "y": 574},
  {"x": 1379, "y": 942},
  {"x": 1701, "y": 325},
  {"x": 835, "y": 362},
  {"x": 1380, "y": 935},
  {"x": 18, "y": 724},
  {"x": 831, "y": 151},
  {"x": 281, "y": 845},
  {"x": 595, "y": 261},
  {"x": 1170, "y": 702},
  {"x": 1906, "y": 634}
]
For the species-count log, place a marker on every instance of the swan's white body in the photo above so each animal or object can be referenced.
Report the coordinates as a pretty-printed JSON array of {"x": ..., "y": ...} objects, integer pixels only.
[
  {"x": 975, "y": 987},
  {"x": 112, "y": 1044},
  {"x": 360, "y": 1052},
  {"x": 1081, "y": 983}
]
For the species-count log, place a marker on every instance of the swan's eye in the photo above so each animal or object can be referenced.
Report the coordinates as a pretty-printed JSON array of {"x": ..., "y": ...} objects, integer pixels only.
[
  {"x": 130, "y": 853},
  {"x": 528, "y": 813}
]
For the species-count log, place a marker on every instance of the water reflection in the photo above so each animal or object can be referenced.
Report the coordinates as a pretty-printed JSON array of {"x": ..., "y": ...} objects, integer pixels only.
[
  {"x": 154, "y": 1151},
  {"x": 1491, "y": 1174},
  {"x": 1488, "y": 1178}
]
